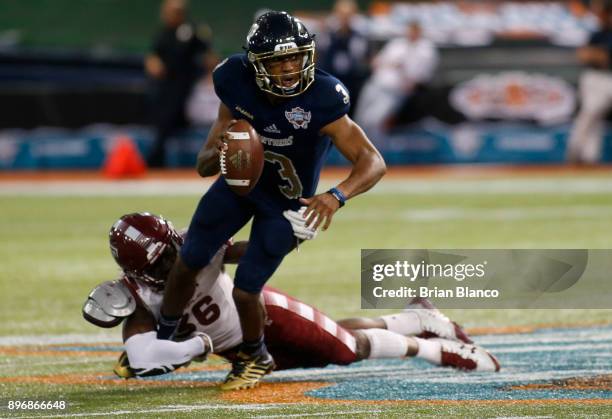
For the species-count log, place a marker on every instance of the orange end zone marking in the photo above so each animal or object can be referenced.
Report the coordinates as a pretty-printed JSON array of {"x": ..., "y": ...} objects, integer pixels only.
[
  {"x": 99, "y": 379},
  {"x": 61, "y": 350},
  {"x": 268, "y": 393},
  {"x": 280, "y": 393}
]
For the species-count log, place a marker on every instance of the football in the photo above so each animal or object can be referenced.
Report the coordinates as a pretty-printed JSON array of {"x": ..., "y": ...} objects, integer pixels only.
[{"x": 243, "y": 160}]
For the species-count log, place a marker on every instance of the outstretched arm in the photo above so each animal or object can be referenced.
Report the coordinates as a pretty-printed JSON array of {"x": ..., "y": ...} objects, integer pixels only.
[
  {"x": 148, "y": 355},
  {"x": 368, "y": 168}
]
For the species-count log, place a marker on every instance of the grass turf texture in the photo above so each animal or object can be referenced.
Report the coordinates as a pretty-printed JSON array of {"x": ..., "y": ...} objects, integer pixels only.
[{"x": 54, "y": 250}]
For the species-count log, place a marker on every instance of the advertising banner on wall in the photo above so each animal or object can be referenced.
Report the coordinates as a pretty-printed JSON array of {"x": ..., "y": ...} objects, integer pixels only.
[{"x": 515, "y": 96}]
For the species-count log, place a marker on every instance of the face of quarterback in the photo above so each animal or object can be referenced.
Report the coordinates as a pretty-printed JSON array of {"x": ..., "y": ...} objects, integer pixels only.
[{"x": 285, "y": 70}]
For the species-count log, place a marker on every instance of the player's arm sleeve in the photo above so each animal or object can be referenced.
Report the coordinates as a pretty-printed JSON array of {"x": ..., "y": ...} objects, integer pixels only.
[{"x": 151, "y": 356}]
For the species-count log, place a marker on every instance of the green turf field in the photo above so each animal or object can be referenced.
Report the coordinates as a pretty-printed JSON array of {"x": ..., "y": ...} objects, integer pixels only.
[{"x": 53, "y": 250}]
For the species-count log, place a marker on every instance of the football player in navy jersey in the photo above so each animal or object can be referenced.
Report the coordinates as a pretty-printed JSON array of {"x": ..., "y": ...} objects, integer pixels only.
[{"x": 298, "y": 111}]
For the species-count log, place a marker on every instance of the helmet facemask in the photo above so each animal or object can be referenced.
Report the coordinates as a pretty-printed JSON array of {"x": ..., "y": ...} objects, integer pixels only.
[{"x": 268, "y": 82}]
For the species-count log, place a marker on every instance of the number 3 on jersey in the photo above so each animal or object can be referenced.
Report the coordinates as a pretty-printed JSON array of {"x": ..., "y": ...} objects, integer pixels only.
[{"x": 293, "y": 189}]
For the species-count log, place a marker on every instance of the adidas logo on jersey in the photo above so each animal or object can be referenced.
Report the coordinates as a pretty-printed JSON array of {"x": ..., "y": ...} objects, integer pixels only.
[{"x": 272, "y": 128}]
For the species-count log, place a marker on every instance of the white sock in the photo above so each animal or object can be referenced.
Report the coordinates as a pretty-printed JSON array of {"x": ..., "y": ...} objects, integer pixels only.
[
  {"x": 407, "y": 323},
  {"x": 430, "y": 351},
  {"x": 386, "y": 344}
]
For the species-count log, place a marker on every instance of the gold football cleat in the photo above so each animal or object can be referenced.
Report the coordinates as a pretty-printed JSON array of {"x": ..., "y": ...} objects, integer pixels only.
[
  {"x": 122, "y": 367},
  {"x": 247, "y": 372}
]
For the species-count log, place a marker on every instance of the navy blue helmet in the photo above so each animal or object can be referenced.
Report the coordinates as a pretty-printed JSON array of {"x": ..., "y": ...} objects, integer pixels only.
[{"x": 275, "y": 35}]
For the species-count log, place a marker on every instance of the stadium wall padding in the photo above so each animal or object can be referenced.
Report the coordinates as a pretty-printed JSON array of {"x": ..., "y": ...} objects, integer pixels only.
[{"x": 425, "y": 143}]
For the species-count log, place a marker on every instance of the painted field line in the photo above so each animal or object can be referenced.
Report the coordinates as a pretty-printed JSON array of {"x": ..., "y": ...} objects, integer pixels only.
[
  {"x": 505, "y": 213},
  {"x": 105, "y": 188},
  {"x": 523, "y": 417},
  {"x": 167, "y": 409},
  {"x": 69, "y": 338},
  {"x": 336, "y": 413},
  {"x": 13, "y": 364},
  {"x": 571, "y": 335},
  {"x": 114, "y": 339},
  {"x": 558, "y": 348},
  {"x": 448, "y": 213},
  {"x": 510, "y": 186}
]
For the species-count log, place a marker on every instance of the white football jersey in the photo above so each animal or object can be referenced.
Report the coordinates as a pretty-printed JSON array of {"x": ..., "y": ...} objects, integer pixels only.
[{"x": 211, "y": 310}]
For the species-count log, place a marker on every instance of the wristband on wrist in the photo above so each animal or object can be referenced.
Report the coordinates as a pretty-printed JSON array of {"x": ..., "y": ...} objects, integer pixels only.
[{"x": 337, "y": 193}]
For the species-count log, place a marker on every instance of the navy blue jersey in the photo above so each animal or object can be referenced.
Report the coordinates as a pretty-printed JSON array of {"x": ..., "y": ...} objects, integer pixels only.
[{"x": 289, "y": 130}]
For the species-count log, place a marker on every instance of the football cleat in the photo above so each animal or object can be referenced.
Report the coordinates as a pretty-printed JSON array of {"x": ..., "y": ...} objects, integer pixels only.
[
  {"x": 247, "y": 372},
  {"x": 122, "y": 367},
  {"x": 467, "y": 357},
  {"x": 434, "y": 323}
]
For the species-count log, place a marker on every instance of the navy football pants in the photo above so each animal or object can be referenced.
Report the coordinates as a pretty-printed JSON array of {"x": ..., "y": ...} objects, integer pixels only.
[{"x": 221, "y": 214}]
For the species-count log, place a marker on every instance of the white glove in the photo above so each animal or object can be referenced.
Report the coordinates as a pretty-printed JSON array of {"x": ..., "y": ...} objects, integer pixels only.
[{"x": 298, "y": 223}]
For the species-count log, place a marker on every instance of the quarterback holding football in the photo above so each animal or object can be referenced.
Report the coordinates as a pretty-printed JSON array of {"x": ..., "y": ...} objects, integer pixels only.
[{"x": 298, "y": 112}]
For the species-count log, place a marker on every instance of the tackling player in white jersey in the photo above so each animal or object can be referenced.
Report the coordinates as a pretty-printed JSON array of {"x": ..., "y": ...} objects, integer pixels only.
[{"x": 297, "y": 335}]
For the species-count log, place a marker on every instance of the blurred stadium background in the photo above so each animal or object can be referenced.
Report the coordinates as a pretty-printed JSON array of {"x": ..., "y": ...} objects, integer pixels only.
[
  {"x": 479, "y": 162},
  {"x": 72, "y": 79}
]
